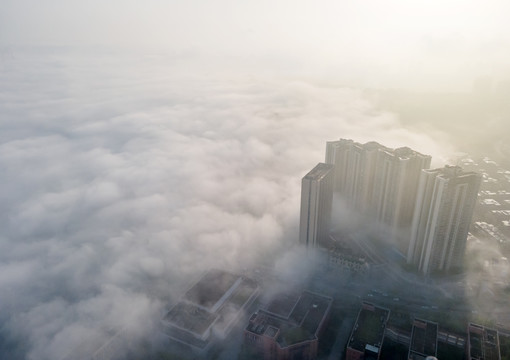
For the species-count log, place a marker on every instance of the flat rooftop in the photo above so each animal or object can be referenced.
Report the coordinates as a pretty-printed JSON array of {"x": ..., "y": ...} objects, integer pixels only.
[
  {"x": 211, "y": 288},
  {"x": 282, "y": 304},
  {"x": 483, "y": 343},
  {"x": 190, "y": 317},
  {"x": 423, "y": 339},
  {"x": 185, "y": 337},
  {"x": 215, "y": 300},
  {"x": 369, "y": 327},
  {"x": 310, "y": 311},
  {"x": 291, "y": 319},
  {"x": 319, "y": 171}
]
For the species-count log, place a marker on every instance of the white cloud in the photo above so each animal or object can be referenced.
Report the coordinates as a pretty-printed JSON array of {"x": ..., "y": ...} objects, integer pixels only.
[{"x": 122, "y": 182}]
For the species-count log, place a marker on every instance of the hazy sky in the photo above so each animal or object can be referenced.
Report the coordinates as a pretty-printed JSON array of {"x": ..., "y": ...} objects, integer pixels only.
[{"x": 397, "y": 43}]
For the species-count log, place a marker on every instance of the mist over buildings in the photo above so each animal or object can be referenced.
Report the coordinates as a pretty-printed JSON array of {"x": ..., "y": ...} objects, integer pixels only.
[
  {"x": 140, "y": 146},
  {"x": 123, "y": 181}
]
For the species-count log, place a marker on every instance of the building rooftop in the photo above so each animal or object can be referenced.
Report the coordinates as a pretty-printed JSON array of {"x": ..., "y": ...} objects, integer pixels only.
[
  {"x": 210, "y": 289},
  {"x": 449, "y": 172},
  {"x": 405, "y": 153},
  {"x": 185, "y": 337},
  {"x": 310, "y": 310},
  {"x": 342, "y": 142},
  {"x": 319, "y": 171},
  {"x": 373, "y": 145},
  {"x": 369, "y": 328},
  {"x": 402, "y": 152},
  {"x": 190, "y": 317},
  {"x": 483, "y": 343},
  {"x": 214, "y": 301},
  {"x": 423, "y": 340},
  {"x": 283, "y": 304},
  {"x": 369, "y": 146},
  {"x": 288, "y": 327}
]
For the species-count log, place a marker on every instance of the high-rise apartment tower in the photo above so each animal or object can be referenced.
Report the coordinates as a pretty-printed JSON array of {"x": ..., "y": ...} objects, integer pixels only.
[
  {"x": 378, "y": 181},
  {"x": 443, "y": 212},
  {"x": 316, "y": 199}
]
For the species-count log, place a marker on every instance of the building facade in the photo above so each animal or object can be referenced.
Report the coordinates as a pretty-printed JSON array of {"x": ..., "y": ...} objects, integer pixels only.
[
  {"x": 395, "y": 183},
  {"x": 316, "y": 200},
  {"x": 354, "y": 170},
  {"x": 442, "y": 215},
  {"x": 379, "y": 182}
]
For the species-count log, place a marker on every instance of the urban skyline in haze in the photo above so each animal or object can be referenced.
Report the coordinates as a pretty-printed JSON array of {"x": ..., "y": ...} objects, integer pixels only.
[{"x": 143, "y": 144}]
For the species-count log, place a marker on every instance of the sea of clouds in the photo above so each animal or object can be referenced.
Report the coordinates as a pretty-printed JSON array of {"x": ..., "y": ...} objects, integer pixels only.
[{"x": 124, "y": 176}]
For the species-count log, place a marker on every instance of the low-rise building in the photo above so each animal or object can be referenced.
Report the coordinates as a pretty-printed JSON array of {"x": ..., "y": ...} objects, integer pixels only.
[
  {"x": 367, "y": 335},
  {"x": 483, "y": 343},
  {"x": 423, "y": 340},
  {"x": 208, "y": 310},
  {"x": 289, "y": 328}
]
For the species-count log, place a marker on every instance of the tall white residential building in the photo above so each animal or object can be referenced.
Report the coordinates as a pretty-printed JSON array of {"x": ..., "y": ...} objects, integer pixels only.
[
  {"x": 316, "y": 199},
  {"x": 354, "y": 169},
  {"x": 378, "y": 181},
  {"x": 395, "y": 185},
  {"x": 443, "y": 212}
]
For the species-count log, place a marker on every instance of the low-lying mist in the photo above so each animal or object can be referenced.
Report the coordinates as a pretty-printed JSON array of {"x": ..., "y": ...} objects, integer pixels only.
[{"x": 126, "y": 176}]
